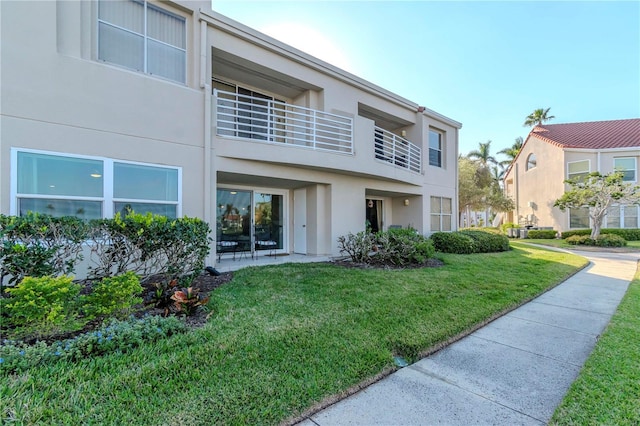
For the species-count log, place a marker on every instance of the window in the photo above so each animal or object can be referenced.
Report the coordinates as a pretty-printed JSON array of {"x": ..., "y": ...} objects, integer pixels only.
[
  {"x": 435, "y": 148},
  {"x": 579, "y": 218},
  {"x": 578, "y": 169},
  {"x": 142, "y": 37},
  {"x": 630, "y": 216},
  {"x": 613, "y": 217},
  {"x": 627, "y": 166},
  {"x": 440, "y": 214},
  {"x": 531, "y": 162},
  {"x": 90, "y": 187}
]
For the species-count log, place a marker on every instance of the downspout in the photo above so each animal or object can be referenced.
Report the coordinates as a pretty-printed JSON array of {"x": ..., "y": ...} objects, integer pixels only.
[
  {"x": 457, "y": 190},
  {"x": 206, "y": 143},
  {"x": 516, "y": 177}
]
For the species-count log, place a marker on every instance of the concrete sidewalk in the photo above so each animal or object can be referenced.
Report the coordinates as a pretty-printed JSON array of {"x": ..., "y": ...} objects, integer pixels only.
[{"x": 514, "y": 371}]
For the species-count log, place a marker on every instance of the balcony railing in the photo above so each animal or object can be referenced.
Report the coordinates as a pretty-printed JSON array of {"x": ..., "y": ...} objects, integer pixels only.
[
  {"x": 396, "y": 150},
  {"x": 271, "y": 121}
]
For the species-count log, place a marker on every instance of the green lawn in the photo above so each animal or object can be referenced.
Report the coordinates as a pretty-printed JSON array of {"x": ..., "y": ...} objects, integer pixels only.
[
  {"x": 607, "y": 391},
  {"x": 284, "y": 339}
]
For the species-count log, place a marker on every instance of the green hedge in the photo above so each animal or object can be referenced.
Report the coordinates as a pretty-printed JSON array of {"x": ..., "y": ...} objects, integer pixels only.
[
  {"x": 470, "y": 241},
  {"x": 630, "y": 234},
  {"x": 545, "y": 234}
]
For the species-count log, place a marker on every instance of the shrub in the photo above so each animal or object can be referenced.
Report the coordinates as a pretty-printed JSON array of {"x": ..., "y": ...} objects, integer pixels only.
[
  {"x": 43, "y": 306},
  {"x": 541, "y": 234},
  {"x": 149, "y": 244},
  {"x": 187, "y": 300},
  {"x": 578, "y": 240},
  {"x": 470, "y": 241},
  {"x": 114, "y": 336},
  {"x": 357, "y": 246},
  {"x": 37, "y": 245},
  {"x": 610, "y": 240},
  {"x": 114, "y": 296},
  {"x": 508, "y": 225},
  {"x": 629, "y": 234},
  {"x": 488, "y": 242},
  {"x": 453, "y": 242},
  {"x": 402, "y": 247}
]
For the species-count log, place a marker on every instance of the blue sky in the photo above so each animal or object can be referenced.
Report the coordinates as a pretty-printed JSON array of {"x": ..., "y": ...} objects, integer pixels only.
[{"x": 486, "y": 64}]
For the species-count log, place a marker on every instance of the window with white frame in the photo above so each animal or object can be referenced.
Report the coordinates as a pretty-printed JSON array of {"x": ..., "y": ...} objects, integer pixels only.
[
  {"x": 92, "y": 187},
  {"x": 613, "y": 216},
  {"x": 435, "y": 148},
  {"x": 441, "y": 213},
  {"x": 627, "y": 166},
  {"x": 137, "y": 35},
  {"x": 578, "y": 169},
  {"x": 579, "y": 218},
  {"x": 630, "y": 216}
]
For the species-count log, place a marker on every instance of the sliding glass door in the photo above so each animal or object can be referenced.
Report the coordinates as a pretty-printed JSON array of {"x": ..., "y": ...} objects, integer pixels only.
[{"x": 248, "y": 221}]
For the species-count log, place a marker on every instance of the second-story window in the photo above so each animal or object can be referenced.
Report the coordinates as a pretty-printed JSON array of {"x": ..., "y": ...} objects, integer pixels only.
[
  {"x": 142, "y": 37},
  {"x": 435, "y": 148},
  {"x": 531, "y": 162},
  {"x": 578, "y": 169},
  {"x": 626, "y": 166}
]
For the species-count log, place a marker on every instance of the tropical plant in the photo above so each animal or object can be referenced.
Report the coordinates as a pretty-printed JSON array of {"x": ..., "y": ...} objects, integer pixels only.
[
  {"x": 512, "y": 152},
  {"x": 187, "y": 300},
  {"x": 483, "y": 154},
  {"x": 598, "y": 192},
  {"x": 537, "y": 117}
]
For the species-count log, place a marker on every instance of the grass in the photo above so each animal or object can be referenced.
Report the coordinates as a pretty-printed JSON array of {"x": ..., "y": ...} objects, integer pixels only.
[
  {"x": 607, "y": 391},
  {"x": 284, "y": 339}
]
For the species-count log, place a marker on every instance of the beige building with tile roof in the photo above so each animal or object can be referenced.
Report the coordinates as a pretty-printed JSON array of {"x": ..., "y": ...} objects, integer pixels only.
[
  {"x": 555, "y": 152},
  {"x": 171, "y": 108}
]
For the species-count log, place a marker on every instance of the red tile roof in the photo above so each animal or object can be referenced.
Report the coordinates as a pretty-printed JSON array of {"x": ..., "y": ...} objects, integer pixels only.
[{"x": 591, "y": 135}]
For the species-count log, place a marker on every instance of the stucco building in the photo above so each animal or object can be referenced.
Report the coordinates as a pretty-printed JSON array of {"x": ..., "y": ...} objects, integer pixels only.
[
  {"x": 168, "y": 107},
  {"x": 553, "y": 153}
]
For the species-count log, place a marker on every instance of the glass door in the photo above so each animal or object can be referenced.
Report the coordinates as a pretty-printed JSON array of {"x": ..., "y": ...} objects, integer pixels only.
[
  {"x": 233, "y": 221},
  {"x": 269, "y": 222}
]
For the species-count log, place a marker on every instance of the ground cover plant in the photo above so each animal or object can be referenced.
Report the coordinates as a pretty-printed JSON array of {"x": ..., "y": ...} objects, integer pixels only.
[
  {"x": 560, "y": 243},
  {"x": 284, "y": 339},
  {"x": 607, "y": 391}
]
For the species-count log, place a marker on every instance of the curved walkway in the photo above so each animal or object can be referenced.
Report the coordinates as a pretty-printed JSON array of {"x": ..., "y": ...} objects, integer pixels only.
[{"x": 515, "y": 370}]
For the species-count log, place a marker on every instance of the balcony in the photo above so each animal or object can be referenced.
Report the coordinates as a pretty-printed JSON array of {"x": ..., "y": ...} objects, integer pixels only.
[
  {"x": 397, "y": 151},
  {"x": 271, "y": 121}
]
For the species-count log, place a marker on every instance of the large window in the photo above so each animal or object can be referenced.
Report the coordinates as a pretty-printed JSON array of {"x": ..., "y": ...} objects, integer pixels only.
[
  {"x": 142, "y": 37},
  {"x": 626, "y": 166},
  {"x": 579, "y": 218},
  {"x": 578, "y": 169},
  {"x": 440, "y": 214},
  {"x": 435, "y": 148},
  {"x": 90, "y": 187}
]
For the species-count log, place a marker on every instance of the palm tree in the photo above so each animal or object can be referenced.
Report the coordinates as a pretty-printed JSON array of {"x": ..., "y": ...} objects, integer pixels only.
[
  {"x": 483, "y": 154},
  {"x": 537, "y": 117},
  {"x": 511, "y": 152}
]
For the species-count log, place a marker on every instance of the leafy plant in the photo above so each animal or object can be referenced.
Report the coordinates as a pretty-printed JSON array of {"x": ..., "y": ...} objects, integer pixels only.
[
  {"x": 43, "y": 306},
  {"x": 116, "y": 335},
  {"x": 114, "y": 296},
  {"x": 542, "y": 234},
  {"x": 357, "y": 246},
  {"x": 187, "y": 300},
  {"x": 161, "y": 297},
  {"x": 577, "y": 240},
  {"x": 402, "y": 247},
  {"x": 610, "y": 240}
]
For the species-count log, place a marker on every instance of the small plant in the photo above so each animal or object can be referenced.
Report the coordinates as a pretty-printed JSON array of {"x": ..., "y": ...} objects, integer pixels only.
[
  {"x": 114, "y": 336},
  {"x": 541, "y": 234},
  {"x": 580, "y": 240},
  {"x": 187, "y": 300},
  {"x": 161, "y": 297},
  {"x": 43, "y": 306},
  {"x": 114, "y": 296}
]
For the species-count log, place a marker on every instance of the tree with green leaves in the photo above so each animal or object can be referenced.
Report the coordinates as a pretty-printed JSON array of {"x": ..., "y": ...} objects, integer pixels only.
[
  {"x": 478, "y": 190},
  {"x": 512, "y": 152},
  {"x": 598, "y": 192},
  {"x": 483, "y": 154},
  {"x": 537, "y": 117}
]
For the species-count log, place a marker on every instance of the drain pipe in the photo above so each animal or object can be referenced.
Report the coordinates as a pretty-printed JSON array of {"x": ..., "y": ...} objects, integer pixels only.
[{"x": 207, "y": 145}]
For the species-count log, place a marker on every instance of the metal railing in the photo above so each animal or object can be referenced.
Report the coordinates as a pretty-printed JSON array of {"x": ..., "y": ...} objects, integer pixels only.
[
  {"x": 397, "y": 150},
  {"x": 271, "y": 121}
]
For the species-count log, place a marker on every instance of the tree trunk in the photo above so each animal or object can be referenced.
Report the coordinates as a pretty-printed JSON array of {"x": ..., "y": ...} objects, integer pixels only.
[{"x": 596, "y": 230}]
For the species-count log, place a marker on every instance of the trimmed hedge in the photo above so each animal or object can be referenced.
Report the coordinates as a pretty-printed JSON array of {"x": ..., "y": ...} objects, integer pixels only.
[
  {"x": 545, "y": 234},
  {"x": 631, "y": 234},
  {"x": 603, "y": 240},
  {"x": 470, "y": 241}
]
